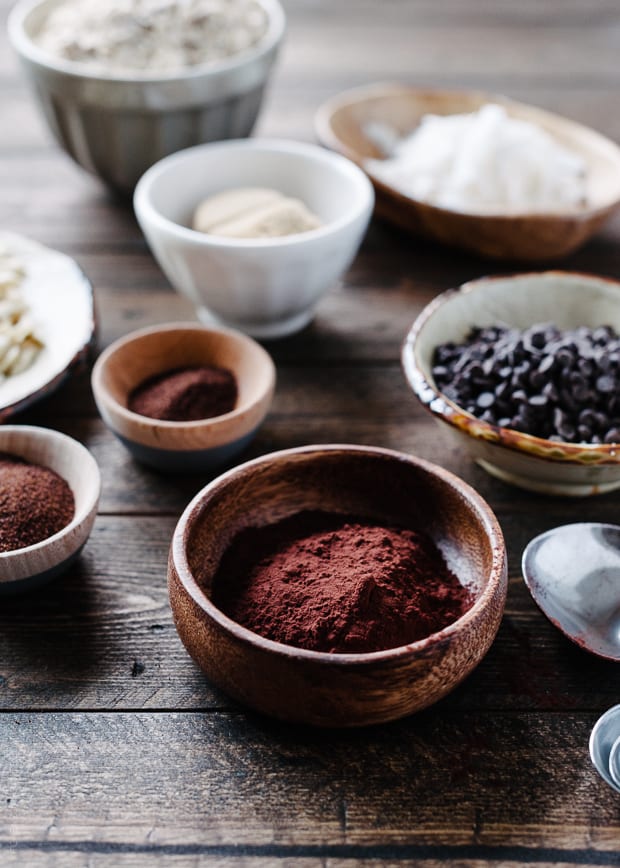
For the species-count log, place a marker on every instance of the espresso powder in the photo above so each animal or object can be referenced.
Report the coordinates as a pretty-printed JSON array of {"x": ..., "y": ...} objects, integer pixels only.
[
  {"x": 185, "y": 394},
  {"x": 35, "y": 503},
  {"x": 335, "y": 583}
]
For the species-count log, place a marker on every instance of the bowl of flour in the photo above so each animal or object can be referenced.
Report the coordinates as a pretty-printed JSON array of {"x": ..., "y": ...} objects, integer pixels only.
[{"x": 123, "y": 83}]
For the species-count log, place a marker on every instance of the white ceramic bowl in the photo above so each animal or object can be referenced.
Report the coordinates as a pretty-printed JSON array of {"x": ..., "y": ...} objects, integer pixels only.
[
  {"x": 266, "y": 287},
  {"x": 32, "y": 566},
  {"x": 117, "y": 125},
  {"x": 566, "y": 299}
]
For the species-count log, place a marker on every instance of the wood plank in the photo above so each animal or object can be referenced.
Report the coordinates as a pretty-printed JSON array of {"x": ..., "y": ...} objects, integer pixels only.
[
  {"x": 435, "y": 780},
  {"x": 108, "y": 856}
]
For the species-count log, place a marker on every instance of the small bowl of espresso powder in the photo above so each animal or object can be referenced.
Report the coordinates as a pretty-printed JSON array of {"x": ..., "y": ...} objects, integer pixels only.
[
  {"x": 185, "y": 394},
  {"x": 184, "y": 397},
  {"x": 49, "y": 490},
  {"x": 35, "y": 503},
  {"x": 337, "y": 585}
]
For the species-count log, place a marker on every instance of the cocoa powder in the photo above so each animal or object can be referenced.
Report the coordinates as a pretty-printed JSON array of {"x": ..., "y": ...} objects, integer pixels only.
[
  {"x": 185, "y": 394},
  {"x": 35, "y": 503},
  {"x": 336, "y": 583}
]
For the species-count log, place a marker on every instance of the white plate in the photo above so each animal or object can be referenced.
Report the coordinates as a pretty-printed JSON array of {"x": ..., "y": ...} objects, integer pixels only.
[{"x": 61, "y": 302}]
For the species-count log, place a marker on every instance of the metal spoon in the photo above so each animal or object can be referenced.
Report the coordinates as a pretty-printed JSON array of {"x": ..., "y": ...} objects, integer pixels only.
[
  {"x": 573, "y": 574},
  {"x": 604, "y": 737},
  {"x": 614, "y": 763}
]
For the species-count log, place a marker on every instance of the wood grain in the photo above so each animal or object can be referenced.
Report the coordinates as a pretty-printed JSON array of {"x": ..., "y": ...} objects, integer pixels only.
[
  {"x": 230, "y": 781},
  {"x": 115, "y": 749}
]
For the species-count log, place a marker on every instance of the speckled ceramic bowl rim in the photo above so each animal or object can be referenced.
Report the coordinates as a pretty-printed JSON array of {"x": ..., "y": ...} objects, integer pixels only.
[
  {"x": 26, "y": 46},
  {"x": 326, "y": 135},
  {"x": 443, "y": 408},
  {"x": 36, "y": 432},
  {"x": 287, "y": 147},
  {"x": 197, "y": 506},
  {"x": 213, "y": 422}
]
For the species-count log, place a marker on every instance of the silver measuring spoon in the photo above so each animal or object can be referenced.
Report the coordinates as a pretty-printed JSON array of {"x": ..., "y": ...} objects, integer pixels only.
[
  {"x": 573, "y": 574},
  {"x": 614, "y": 763},
  {"x": 604, "y": 737}
]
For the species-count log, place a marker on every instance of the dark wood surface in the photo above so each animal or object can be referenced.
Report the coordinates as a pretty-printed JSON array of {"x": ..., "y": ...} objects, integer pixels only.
[{"x": 113, "y": 747}]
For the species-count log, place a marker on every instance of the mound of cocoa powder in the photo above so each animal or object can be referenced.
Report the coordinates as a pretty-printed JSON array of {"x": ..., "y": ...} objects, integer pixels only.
[
  {"x": 185, "y": 394},
  {"x": 336, "y": 583},
  {"x": 35, "y": 503}
]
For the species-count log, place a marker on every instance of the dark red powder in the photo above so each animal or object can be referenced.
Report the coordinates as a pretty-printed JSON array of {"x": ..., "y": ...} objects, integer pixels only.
[
  {"x": 185, "y": 394},
  {"x": 35, "y": 503},
  {"x": 336, "y": 583}
]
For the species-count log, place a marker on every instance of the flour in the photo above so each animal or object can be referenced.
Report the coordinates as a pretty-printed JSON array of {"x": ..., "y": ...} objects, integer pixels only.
[{"x": 151, "y": 36}]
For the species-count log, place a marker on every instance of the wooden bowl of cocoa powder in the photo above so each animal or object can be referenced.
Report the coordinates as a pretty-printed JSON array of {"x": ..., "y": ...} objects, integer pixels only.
[
  {"x": 206, "y": 437},
  {"x": 49, "y": 492},
  {"x": 337, "y": 585}
]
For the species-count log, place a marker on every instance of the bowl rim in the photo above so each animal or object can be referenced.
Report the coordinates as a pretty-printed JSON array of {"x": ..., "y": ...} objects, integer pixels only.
[
  {"x": 28, "y": 48},
  {"x": 179, "y": 560},
  {"x": 146, "y": 210},
  {"x": 237, "y": 412},
  {"x": 38, "y": 433},
  {"x": 356, "y": 95},
  {"x": 440, "y": 406}
]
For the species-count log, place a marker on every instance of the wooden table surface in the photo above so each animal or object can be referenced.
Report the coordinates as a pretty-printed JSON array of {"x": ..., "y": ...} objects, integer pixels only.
[{"x": 114, "y": 747}]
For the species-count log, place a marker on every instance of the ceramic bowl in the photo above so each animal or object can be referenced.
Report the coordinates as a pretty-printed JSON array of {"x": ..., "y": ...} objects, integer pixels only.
[
  {"x": 183, "y": 446},
  {"x": 342, "y": 124},
  {"x": 337, "y": 689},
  {"x": 564, "y": 298},
  {"x": 52, "y": 281},
  {"x": 266, "y": 287},
  {"x": 30, "y": 567},
  {"x": 117, "y": 125}
]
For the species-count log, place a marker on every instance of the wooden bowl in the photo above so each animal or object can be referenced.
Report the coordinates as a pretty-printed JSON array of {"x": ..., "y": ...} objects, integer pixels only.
[
  {"x": 30, "y": 567},
  {"x": 337, "y": 689},
  {"x": 183, "y": 446},
  {"x": 340, "y": 125}
]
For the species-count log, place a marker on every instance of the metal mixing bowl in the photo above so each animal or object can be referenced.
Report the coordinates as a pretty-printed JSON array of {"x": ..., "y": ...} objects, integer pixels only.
[{"x": 117, "y": 125}]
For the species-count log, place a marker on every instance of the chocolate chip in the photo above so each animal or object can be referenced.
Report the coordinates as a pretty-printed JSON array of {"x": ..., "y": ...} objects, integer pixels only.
[{"x": 555, "y": 384}]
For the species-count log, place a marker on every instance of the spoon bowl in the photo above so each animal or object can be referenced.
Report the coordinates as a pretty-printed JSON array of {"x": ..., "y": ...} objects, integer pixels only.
[
  {"x": 605, "y": 739},
  {"x": 573, "y": 574},
  {"x": 614, "y": 762}
]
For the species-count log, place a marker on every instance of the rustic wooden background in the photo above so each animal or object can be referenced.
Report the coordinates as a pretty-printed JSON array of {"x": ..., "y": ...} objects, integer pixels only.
[{"x": 113, "y": 747}]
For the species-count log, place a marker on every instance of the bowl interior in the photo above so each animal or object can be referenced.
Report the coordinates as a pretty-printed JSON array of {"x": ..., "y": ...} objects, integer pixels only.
[
  {"x": 344, "y": 121},
  {"x": 327, "y": 184},
  {"x": 142, "y": 356},
  {"x": 35, "y": 12},
  {"x": 375, "y": 485},
  {"x": 65, "y": 456},
  {"x": 565, "y": 299}
]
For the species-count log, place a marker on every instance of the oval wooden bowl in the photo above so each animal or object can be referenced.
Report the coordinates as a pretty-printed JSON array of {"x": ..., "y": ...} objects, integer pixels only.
[
  {"x": 340, "y": 125},
  {"x": 337, "y": 689},
  {"x": 200, "y": 445},
  {"x": 30, "y": 567}
]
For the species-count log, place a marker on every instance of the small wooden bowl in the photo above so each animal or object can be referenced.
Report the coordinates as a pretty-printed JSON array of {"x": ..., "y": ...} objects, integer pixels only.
[
  {"x": 337, "y": 689},
  {"x": 30, "y": 567},
  {"x": 340, "y": 125},
  {"x": 183, "y": 446}
]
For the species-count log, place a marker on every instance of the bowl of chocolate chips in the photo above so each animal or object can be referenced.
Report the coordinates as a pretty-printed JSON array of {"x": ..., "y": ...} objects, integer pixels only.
[{"x": 524, "y": 371}]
